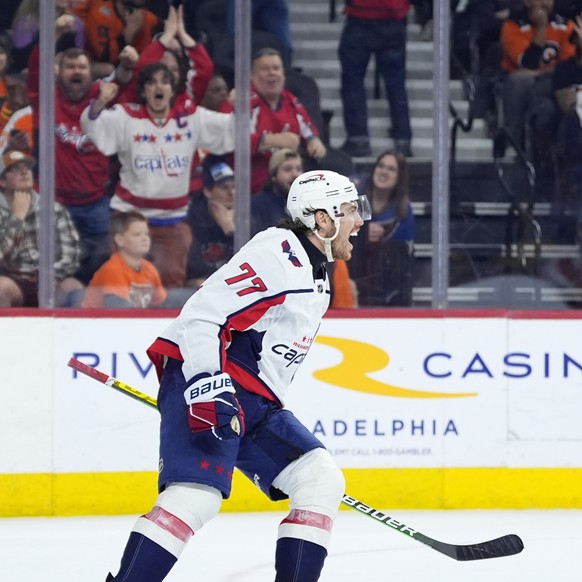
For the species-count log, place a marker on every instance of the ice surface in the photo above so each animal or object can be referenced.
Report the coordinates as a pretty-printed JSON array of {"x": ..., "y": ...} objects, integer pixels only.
[{"x": 239, "y": 547}]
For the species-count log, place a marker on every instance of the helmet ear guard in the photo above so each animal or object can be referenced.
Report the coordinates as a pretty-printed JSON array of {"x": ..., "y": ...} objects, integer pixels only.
[{"x": 324, "y": 190}]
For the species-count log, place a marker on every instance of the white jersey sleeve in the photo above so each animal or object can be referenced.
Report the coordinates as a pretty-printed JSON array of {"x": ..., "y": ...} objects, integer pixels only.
[
  {"x": 107, "y": 130},
  {"x": 215, "y": 130},
  {"x": 255, "y": 318}
]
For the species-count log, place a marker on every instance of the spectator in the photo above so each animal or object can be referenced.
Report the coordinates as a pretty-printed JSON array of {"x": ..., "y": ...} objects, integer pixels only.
[
  {"x": 17, "y": 134},
  {"x": 268, "y": 15},
  {"x": 16, "y": 115},
  {"x": 211, "y": 217},
  {"x": 188, "y": 61},
  {"x": 25, "y": 29},
  {"x": 127, "y": 279},
  {"x": 374, "y": 28},
  {"x": 190, "y": 64},
  {"x": 83, "y": 174},
  {"x": 217, "y": 96},
  {"x": 19, "y": 251},
  {"x": 268, "y": 207},
  {"x": 382, "y": 258},
  {"x": 5, "y": 48},
  {"x": 567, "y": 75},
  {"x": 533, "y": 41},
  {"x": 110, "y": 25},
  {"x": 566, "y": 82},
  {"x": 278, "y": 119},
  {"x": 155, "y": 143},
  {"x": 423, "y": 16},
  {"x": 387, "y": 190}
]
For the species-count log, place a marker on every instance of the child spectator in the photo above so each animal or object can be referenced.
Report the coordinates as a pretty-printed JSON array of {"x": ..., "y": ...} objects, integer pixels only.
[{"x": 127, "y": 279}]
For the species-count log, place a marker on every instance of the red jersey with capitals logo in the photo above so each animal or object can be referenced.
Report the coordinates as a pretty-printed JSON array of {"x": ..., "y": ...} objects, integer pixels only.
[
  {"x": 156, "y": 159},
  {"x": 255, "y": 318},
  {"x": 519, "y": 51},
  {"x": 377, "y": 9},
  {"x": 82, "y": 171},
  {"x": 290, "y": 115}
]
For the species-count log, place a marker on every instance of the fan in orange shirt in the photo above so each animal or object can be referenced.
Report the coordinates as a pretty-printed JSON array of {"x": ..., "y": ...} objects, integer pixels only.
[
  {"x": 127, "y": 279},
  {"x": 110, "y": 25}
]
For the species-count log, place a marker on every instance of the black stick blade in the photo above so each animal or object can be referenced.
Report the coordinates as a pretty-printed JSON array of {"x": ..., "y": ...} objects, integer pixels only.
[{"x": 508, "y": 545}]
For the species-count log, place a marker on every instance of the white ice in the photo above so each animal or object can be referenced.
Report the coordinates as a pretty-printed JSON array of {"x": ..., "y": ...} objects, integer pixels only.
[{"x": 240, "y": 548}]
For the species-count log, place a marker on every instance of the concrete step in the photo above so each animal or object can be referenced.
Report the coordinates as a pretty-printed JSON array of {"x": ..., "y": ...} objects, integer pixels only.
[
  {"x": 327, "y": 47},
  {"x": 417, "y": 89},
  {"x": 421, "y": 127},
  {"x": 319, "y": 67},
  {"x": 379, "y": 107},
  {"x": 468, "y": 149}
]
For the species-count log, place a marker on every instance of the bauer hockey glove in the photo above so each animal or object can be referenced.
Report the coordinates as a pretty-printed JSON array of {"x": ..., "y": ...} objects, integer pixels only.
[{"x": 213, "y": 406}]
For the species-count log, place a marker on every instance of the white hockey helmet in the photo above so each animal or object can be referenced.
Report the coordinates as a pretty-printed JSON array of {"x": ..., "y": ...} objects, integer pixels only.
[{"x": 324, "y": 190}]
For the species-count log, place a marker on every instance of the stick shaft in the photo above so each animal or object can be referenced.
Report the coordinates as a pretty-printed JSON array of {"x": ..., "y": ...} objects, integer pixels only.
[
  {"x": 504, "y": 546},
  {"x": 112, "y": 382}
]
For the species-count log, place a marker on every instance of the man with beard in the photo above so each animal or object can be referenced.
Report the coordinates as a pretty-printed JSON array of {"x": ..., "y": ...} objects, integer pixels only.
[
  {"x": 155, "y": 143},
  {"x": 83, "y": 173}
]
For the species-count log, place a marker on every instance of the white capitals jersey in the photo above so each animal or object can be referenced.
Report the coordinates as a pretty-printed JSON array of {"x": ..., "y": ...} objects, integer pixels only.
[
  {"x": 255, "y": 318},
  {"x": 156, "y": 160}
]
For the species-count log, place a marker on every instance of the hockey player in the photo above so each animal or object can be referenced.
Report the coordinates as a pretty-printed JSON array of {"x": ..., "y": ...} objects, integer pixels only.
[{"x": 225, "y": 364}]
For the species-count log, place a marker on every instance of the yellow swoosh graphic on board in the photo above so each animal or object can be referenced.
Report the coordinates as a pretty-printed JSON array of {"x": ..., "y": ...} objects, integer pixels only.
[{"x": 359, "y": 360}]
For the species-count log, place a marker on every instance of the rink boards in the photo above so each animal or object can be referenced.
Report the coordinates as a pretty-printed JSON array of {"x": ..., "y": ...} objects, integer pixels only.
[{"x": 422, "y": 409}]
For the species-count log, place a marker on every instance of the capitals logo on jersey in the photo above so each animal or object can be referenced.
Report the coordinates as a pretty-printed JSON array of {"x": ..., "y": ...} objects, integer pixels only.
[{"x": 292, "y": 256}]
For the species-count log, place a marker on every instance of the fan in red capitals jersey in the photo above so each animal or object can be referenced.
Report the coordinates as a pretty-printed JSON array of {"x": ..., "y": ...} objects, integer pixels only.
[
  {"x": 225, "y": 364},
  {"x": 155, "y": 143}
]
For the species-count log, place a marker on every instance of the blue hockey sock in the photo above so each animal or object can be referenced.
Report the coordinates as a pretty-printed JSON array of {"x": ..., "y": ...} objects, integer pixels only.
[
  {"x": 144, "y": 561},
  {"x": 298, "y": 560}
]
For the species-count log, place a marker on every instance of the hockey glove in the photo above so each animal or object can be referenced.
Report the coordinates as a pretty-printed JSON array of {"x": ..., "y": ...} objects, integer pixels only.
[{"x": 213, "y": 406}]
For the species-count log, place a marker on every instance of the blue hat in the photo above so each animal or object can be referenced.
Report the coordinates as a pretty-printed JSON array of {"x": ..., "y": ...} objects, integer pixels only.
[{"x": 216, "y": 172}]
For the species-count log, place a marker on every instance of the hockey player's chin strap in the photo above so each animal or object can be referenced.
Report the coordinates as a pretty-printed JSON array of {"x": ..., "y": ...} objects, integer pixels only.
[{"x": 327, "y": 241}]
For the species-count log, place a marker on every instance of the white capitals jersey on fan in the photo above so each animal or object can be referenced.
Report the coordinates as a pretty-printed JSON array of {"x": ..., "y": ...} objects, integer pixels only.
[
  {"x": 255, "y": 318},
  {"x": 156, "y": 160}
]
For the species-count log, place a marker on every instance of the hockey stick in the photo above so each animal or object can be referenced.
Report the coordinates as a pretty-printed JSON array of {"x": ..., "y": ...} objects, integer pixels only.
[{"x": 507, "y": 545}]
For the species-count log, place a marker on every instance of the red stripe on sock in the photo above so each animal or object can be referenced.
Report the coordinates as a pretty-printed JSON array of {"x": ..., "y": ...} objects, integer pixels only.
[
  {"x": 304, "y": 517},
  {"x": 170, "y": 523}
]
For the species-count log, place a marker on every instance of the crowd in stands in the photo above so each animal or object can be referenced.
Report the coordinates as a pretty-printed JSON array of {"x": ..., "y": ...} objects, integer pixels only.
[{"x": 144, "y": 136}]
